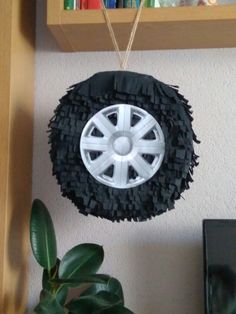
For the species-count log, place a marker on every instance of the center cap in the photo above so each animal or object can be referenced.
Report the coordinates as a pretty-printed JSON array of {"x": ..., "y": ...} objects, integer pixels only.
[{"x": 122, "y": 145}]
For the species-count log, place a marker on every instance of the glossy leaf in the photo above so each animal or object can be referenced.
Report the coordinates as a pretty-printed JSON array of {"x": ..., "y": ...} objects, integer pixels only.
[
  {"x": 48, "y": 304},
  {"x": 82, "y": 259},
  {"x": 112, "y": 285},
  {"x": 42, "y": 235},
  {"x": 83, "y": 279},
  {"x": 94, "y": 303},
  {"x": 61, "y": 295}
]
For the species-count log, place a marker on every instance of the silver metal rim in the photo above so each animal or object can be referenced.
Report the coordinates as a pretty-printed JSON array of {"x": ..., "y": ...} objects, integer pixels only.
[{"x": 122, "y": 146}]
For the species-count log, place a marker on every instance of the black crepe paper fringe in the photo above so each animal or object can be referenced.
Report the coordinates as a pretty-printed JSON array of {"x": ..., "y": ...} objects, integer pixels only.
[{"x": 163, "y": 102}]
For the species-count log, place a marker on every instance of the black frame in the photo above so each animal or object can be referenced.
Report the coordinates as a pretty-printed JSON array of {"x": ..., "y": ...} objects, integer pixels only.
[{"x": 205, "y": 261}]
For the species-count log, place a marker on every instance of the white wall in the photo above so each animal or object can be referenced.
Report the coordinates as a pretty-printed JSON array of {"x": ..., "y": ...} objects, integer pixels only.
[{"x": 159, "y": 262}]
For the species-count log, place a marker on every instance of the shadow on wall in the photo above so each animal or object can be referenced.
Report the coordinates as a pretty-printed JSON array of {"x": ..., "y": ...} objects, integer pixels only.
[
  {"x": 27, "y": 26},
  {"x": 45, "y": 40},
  {"x": 163, "y": 270}
]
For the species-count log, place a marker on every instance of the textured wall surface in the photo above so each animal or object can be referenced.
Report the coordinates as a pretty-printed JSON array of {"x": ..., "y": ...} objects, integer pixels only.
[{"x": 159, "y": 262}]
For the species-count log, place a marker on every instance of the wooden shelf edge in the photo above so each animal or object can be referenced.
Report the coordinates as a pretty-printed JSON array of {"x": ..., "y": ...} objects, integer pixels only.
[
  {"x": 160, "y": 28},
  {"x": 181, "y": 14}
]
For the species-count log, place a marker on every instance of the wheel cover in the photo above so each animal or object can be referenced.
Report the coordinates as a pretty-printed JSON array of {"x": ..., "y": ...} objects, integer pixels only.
[{"x": 116, "y": 147}]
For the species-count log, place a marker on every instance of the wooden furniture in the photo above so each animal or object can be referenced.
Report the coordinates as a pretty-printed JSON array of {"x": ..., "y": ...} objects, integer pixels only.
[
  {"x": 165, "y": 28},
  {"x": 17, "y": 18}
]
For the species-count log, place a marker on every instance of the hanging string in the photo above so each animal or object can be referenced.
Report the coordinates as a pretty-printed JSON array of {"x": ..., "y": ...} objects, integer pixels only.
[{"x": 123, "y": 60}]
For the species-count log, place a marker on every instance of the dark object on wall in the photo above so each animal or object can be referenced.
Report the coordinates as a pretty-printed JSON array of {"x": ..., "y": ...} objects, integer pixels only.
[
  {"x": 122, "y": 146},
  {"x": 220, "y": 266}
]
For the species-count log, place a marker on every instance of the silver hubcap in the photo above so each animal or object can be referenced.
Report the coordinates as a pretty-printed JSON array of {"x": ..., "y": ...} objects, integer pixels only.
[{"x": 122, "y": 146}]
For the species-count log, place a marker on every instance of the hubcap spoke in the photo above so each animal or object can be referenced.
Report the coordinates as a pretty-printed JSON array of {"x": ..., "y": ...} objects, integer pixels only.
[
  {"x": 120, "y": 176},
  {"x": 124, "y": 117},
  {"x": 144, "y": 126},
  {"x": 93, "y": 143},
  {"x": 151, "y": 147},
  {"x": 103, "y": 124},
  {"x": 99, "y": 165},
  {"x": 143, "y": 169}
]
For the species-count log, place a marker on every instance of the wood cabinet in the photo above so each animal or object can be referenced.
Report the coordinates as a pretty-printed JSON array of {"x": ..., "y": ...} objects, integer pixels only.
[
  {"x": 17, "y": 20},
  {"x": 159, "y": 28}
]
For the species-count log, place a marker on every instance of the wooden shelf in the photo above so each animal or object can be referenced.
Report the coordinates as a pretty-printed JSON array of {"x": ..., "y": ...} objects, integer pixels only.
[{"x": 165, "y": 28}]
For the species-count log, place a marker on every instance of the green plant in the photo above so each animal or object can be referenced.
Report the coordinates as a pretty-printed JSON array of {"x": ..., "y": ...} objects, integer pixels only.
[{"x": 95, "y": 293}]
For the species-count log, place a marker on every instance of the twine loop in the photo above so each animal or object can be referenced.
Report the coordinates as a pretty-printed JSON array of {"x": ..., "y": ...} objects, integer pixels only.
[{"x": 123, "y": 59}]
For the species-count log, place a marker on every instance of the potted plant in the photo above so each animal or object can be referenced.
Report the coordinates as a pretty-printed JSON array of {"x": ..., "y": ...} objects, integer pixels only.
[{"x": 95, "y": 293}]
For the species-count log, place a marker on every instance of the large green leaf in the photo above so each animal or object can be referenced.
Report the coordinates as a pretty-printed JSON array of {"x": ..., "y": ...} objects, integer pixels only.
[
  {"x": 112, "y": 285},
  {"x": 78, "y": 282},
  {"x": 94, "y": 303},
  {"x": 48, "y": 304},
  {"x": 82, "y": 259},
  {"x": 84, "y": 279},
  {"x": 61, "y": 295},
  {"x": 42, "y": 235}
]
